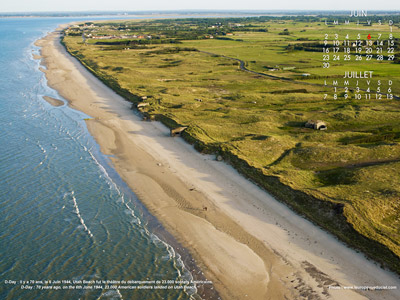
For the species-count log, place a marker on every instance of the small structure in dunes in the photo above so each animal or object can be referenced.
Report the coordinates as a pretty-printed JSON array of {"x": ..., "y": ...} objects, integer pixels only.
[
  {"x": 142, "y": 104},
  {"x": 178, "y": 131},
  {"x": 316, "y": 124},
  {"x": 148, "y": 117}
]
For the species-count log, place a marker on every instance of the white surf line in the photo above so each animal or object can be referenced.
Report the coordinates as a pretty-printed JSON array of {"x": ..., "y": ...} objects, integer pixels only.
[
  {"x": 119, "y": 294},
  {"x": 112, "y": 184},
  {"x": 43, "y": 152},
  {"x": 79, "y": 215},
  {"x": 182, "y": 270},
  {"x": 107, "y": 293},
  {"x": 136, "y": 219},
  {"x": 103, "y": 169}
]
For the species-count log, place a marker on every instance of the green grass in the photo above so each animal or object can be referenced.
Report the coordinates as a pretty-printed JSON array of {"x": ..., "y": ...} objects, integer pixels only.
[{"x": 346, "y": 179}]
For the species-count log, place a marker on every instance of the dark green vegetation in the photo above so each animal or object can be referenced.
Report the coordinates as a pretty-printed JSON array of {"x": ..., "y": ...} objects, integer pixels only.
[{"x": 346, "y": 179}]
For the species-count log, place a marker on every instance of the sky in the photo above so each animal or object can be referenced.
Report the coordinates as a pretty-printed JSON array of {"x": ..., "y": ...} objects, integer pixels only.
[{"x": 158, "y": 5}]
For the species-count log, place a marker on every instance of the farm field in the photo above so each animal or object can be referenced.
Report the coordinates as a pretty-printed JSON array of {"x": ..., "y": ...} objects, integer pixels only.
[{"x": 346, "y": 179}]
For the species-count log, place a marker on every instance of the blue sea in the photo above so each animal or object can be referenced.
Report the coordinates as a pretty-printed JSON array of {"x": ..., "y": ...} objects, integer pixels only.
[{"x": 64, "y": 212}]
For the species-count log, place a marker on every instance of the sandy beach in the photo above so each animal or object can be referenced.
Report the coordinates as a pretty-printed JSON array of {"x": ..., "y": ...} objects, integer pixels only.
[
  {"x": 247, "y": 243},
  {"x": 53, "y": 101}
]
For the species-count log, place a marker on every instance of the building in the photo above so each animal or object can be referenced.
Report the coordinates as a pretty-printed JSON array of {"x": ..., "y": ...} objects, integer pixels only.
[
  {"x": 177, "y": 131},
  {"x": 316, "y": 124}
]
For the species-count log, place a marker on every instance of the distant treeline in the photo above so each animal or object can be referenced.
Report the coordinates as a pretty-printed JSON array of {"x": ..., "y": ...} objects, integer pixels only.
[
  {"x": 168, "y": 30},
  {"x": 171, "y": 50},
  {"x": 313, "y": 47},
  {"x": 135, "y": 42}
]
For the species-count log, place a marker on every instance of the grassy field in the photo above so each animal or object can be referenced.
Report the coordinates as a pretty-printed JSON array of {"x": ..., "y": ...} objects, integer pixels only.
[{"x": 346, "y": 179}]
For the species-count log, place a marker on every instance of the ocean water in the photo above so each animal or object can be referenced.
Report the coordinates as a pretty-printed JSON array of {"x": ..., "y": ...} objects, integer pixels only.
[{"x": 64, "y": 212}]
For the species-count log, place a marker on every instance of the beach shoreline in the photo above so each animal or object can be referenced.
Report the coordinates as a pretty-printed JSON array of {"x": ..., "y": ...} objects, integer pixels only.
[
  {"x": 53, "y": 101},
  {"x": 247, "y": 243}
]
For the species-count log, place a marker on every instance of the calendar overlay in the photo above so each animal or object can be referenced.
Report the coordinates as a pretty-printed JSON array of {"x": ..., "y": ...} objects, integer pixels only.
[{"x": 358, "y": 56}]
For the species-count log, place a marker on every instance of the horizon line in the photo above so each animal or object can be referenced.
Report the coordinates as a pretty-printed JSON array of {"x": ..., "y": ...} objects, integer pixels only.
[{"x": 191, "y": 11}]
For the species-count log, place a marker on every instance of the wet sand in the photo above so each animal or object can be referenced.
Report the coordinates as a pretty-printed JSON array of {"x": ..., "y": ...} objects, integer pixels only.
[{"x": 53, "y": 101}]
